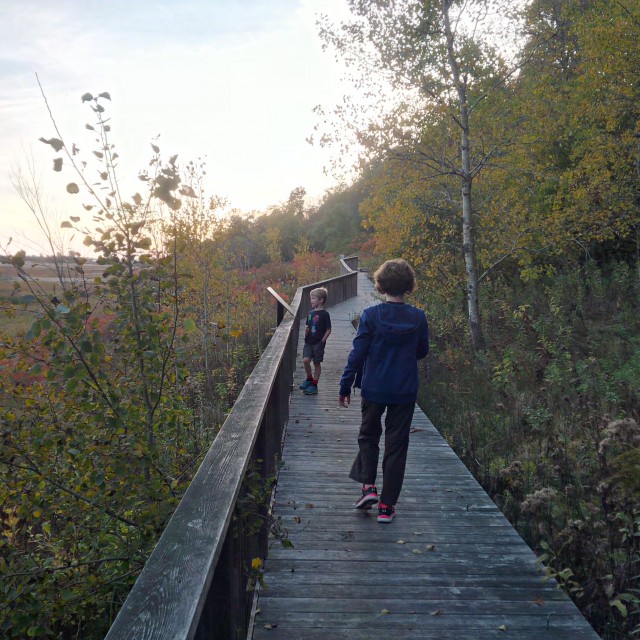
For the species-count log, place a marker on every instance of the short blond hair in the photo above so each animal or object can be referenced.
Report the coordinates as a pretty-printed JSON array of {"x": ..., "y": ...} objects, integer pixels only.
[{"x": 320, "y": 292}]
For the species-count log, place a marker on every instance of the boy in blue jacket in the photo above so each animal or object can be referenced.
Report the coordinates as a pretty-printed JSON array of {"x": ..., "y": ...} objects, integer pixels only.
[{"x": 383, "y": 362}]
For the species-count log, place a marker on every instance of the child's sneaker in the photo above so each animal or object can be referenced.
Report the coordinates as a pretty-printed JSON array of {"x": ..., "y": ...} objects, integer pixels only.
[
  {"x": 368, "y": 498},
  {"x": 386, "y": 513},
  {"x": 306, "y": 384},
  {"x": 311, "y": 390}
]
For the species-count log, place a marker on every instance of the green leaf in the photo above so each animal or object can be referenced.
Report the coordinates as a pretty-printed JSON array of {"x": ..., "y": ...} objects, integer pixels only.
[
  {"x": 65, "y": 224},
  {"x": 189, "y": 325},
  {"x": 72, "y": 187},
  {"x": 57, "y": 164},
  {"x": 69, "y": 371},
  {"x": 104, "y": 94},
  {"x": 619, "y": 606},
  {"x": 87, "y": 97}
]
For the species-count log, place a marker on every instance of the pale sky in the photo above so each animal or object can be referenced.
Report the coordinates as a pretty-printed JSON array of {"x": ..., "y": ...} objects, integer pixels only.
[{"x": 232, "y": 81}]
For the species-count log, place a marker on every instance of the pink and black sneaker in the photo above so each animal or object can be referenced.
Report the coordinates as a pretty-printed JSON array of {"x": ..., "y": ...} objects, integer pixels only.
[
  {"x": 368, "y": 498},
  {"x": 386, "y": 513}
]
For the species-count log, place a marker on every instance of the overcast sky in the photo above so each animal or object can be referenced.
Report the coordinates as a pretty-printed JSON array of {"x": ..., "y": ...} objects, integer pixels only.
[{"x": 234, "y": 81}]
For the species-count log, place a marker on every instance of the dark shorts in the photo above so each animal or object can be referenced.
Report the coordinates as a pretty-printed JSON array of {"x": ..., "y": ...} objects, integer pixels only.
[{"x": 314, "y": 352}]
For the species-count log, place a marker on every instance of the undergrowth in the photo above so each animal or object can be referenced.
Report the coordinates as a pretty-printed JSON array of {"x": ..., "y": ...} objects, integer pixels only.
[{"x": 547, "y": 419}]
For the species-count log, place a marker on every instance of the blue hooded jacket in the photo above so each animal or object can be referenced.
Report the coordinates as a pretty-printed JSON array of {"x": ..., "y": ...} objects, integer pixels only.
[{"x": 383, "y": 362}]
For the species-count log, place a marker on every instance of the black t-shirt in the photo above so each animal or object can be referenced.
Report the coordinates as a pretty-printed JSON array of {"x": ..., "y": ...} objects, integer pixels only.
[{"x": 318, "y": 322}]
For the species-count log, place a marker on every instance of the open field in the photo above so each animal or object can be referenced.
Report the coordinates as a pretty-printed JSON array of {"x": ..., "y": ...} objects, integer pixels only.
[{"x": 22, "y": 302}]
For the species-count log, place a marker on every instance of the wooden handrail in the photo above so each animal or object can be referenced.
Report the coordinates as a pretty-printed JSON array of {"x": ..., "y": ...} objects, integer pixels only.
[{"x": 194, "y": 584}]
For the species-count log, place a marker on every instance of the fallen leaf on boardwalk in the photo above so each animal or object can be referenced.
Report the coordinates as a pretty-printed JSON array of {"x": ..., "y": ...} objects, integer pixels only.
[
  {"x": 401, "y": 542},
  {"x": 430, "y": 547},
  {"x": 539, "y": 601},
  {"x": 414, "y": 429},
  {"x": 309, "y": 505},
  {"x": 384, "y": 612},
  {"x": 417, "y": 533},
  {"x": 297, "y": 421},
  {"x": 298, "y": 519},
  {"x": 270, "y": 626},
  {"x": 502, "y": 627},
  {"x": 417, "y": 551},
  {"x": 437, "y": 612}
]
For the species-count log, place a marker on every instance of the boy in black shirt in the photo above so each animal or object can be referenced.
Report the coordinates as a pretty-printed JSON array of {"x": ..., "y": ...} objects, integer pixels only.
[{"x": 317, "y": 330}]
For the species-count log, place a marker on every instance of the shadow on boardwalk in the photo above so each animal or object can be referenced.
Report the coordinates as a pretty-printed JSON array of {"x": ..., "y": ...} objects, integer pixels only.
[{"x": 449, "y": 566}]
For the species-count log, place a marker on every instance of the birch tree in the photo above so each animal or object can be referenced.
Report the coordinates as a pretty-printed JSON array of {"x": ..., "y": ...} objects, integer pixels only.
[{"x": 436, "y": 57}]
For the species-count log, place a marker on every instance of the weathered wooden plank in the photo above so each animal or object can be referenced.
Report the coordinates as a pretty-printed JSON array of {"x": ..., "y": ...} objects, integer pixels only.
[
  {"x": 302, "y": 578},
  {"x": 422, "y": 591},
  {"x": 547, "y": 626},
  {"x": 456, "y": 606},
  {"x": 286, "y": 633},
  {"x": 486, "y": 629}
]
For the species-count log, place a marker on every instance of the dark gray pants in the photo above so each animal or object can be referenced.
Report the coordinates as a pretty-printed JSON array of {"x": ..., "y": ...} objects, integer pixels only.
[{"x": 397, "y": 425}]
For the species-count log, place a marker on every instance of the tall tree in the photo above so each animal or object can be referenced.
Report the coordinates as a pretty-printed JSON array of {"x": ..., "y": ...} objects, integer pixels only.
[{"x": 437, "y": 58}]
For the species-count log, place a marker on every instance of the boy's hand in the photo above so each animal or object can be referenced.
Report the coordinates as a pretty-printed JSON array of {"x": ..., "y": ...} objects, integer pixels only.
[{"x": 345, "y": 401}]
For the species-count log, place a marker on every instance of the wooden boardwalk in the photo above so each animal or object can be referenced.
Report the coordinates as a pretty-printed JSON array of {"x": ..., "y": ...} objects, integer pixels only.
[{"x": 450, "y": 566}]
